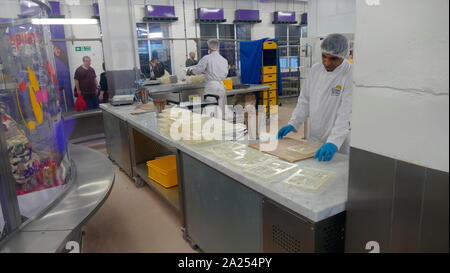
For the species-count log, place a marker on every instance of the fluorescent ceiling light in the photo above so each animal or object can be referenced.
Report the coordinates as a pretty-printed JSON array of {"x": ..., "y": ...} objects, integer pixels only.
[{"x": 64, "y": 21}]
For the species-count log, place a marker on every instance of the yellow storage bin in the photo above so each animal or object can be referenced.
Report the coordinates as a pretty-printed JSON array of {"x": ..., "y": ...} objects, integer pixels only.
[
  {"x": 271, "y": 101},
  {"x": 269, "y": 78},
  {"x": 164, "y": 171},
  {"x": 269, "y": 69},
  {"x": 270, "y": 45},
  {"x": 273, "y": 85},
  {"x": 273, "y": 109},
  {"x": 272, "y": 94},
  {"x": 228, "y": 84}
]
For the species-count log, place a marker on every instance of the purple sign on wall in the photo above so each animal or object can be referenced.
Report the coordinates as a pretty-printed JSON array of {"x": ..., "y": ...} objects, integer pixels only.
[
  {"x": 160, "y": 11},
  {"x": 210, "y": 14},
  {"x": 304, "y": 19},
  {"x": 247, "y": 15},
  {"x": 284, "y": 16}
]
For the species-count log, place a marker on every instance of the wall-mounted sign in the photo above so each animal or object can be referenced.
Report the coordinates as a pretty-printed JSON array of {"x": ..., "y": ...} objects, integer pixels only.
[{"x": 82, "y": 48}]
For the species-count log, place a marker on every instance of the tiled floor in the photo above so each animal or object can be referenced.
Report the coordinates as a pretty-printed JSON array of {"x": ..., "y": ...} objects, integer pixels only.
[
  {"x": 136, "y": 219},
  {"x": 133, "y": 220}
]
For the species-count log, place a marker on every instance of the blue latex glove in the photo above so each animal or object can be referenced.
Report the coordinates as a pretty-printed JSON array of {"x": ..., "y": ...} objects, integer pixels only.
[
  {"x": 285, "y": 130},
  {"x": 326, "y": 152}
]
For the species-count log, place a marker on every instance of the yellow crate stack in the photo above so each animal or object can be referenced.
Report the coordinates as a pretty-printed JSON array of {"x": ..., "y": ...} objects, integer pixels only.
[{"x": 269, "y": 77}]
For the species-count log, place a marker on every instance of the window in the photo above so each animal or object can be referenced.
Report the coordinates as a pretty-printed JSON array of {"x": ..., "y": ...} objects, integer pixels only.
[
  {"x": 149, "y": 46},
  {"x": 229, "y": 36},
  {"x": 288, "y": 37},
  {"x": 244, "y": 32},
  {"x": 207, "y": 31},
  {"x": 281, "y": 34},
  {"x": 227, "y": 43}
]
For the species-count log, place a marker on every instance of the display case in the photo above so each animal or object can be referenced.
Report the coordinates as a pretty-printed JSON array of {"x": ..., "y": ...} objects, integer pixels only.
[{"x": 35, "y": 166}]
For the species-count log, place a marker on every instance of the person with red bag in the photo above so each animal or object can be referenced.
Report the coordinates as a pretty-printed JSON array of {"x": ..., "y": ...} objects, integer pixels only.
[
  {"x": 80, "y": 104},
  {"x": 86, "y": 86}
]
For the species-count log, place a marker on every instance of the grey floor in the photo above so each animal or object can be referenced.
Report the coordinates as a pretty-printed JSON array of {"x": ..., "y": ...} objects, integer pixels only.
[{"x": 136, "y": 219}]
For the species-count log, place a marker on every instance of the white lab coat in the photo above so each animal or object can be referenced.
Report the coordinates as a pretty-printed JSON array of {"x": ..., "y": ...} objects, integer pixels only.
[
  {"x": 215, "y": 68},
  {"x": 326, "y": 99}
]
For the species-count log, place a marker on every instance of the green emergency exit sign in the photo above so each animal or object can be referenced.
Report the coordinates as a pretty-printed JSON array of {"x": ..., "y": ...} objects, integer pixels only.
[{"x": 82, "y": 48}]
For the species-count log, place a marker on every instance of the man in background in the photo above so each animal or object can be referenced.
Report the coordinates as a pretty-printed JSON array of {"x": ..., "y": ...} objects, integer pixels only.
[
  {"x": 191, "y": 61},
  {"x": 156, "y": 69},
  {"x": 232, "y": 71},
  {"x": 215, "y": 68},
  {"x": 86, "y": 84},
  {"x": 104, "y": 92}
]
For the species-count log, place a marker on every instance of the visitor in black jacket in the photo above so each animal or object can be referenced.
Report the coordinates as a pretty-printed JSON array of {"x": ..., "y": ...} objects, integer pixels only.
[{"x": 104, "y": 92}]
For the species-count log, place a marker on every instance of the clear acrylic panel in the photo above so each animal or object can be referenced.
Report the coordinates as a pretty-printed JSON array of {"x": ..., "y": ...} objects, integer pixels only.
[
  {"x": 2, "y": 222},
  {"x": 30, "y": 107}
]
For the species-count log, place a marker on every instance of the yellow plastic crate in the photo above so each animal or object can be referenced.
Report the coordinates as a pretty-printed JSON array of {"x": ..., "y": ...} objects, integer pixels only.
[
  {"x": 164, "y": 171},
  {"x": 269, "y": 69},
  {"x": 269, "y": 78},
  {"x": 272, "y": 94},
  {"x": 270, "y": 45},
  {"x": 228, "y": 84},
  {"x": 271, "y": 101},
  {"x": 273, "y": 85},
  {"x": 273, "y": 109}
]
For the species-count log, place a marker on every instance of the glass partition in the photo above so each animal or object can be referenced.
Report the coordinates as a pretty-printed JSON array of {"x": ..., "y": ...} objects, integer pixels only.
[
  {"x": 30, "y": 109},
  {"x": 151, "y": 47},
  {"x": 2, "y": 222}
]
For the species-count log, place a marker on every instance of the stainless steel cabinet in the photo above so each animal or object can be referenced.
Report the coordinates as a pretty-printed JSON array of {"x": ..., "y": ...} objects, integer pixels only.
[
  {"x": 287, "y": 232},
  {"x": 118, "y": 142},
  {"x": 221, "y": 214}
]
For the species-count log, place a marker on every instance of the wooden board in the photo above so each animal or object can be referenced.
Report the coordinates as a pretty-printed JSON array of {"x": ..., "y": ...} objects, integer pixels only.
[
  {"x": 292, "y": 150},
  {"x": 148, "y": 107}
]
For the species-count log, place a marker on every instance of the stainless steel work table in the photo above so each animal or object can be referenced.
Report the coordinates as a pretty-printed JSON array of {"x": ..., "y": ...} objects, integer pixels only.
[
  {"x": 173, "y": 87},
  {"x": 180, "y": 87},
  {"x": 224, "y": 210},
  {"x": 185, "y": 89}
]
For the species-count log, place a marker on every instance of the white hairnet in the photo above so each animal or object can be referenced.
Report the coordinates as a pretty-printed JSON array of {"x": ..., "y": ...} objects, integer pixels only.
[
  {"x": 213, "y": 44},
  {"x": 335, "y": 44}
]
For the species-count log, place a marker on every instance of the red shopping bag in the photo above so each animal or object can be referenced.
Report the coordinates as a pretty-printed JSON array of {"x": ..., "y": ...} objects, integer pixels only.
[{"x": 80, "y": 104}]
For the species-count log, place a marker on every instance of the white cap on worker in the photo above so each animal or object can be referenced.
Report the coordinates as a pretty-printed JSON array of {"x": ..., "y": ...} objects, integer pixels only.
[
  {"x": 213, "y": 44},
  {"x": 335, "y": 44}
]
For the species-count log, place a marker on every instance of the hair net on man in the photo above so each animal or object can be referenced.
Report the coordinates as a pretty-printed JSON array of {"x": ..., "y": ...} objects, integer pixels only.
[
  {"x": 213, "y": 44},
  {"x": 335, "y": 44}
]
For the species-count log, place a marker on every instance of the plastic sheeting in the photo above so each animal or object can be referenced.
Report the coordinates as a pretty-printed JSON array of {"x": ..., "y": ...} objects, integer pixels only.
[{"x": 251, "y": 53}]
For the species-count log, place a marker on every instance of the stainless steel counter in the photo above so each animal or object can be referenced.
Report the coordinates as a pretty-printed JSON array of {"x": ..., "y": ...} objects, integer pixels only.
[
  {"x": 180, "y": 87},
  {"x": 49, "y": 233},
  {"x": 173, "y": 87},
  {"x": 314, "y": 206},
  {"x": 250, "y": 89}
]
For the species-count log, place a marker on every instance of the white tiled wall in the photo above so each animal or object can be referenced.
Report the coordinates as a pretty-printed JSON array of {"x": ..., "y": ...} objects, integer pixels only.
[{"x": 401, "y": 74}]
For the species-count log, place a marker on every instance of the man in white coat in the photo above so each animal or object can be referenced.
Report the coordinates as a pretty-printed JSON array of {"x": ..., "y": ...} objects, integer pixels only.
[
  {"x": 326, "y": 99},
  {"x": 215, "y": 68}
]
